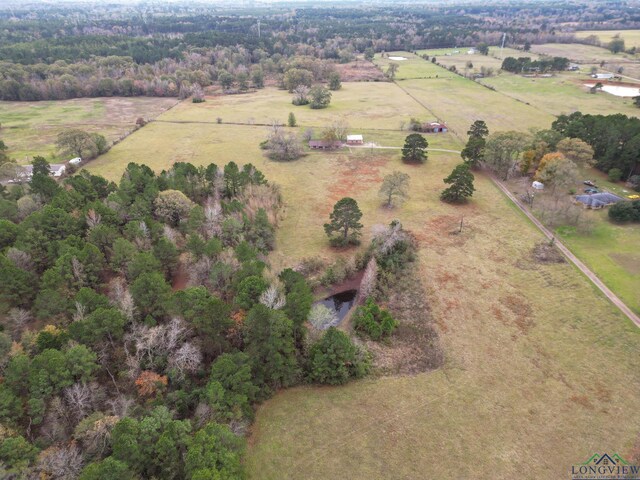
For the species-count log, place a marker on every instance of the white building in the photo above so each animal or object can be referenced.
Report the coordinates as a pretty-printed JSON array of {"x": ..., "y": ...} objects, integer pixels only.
[
  {"x": 538, "y": 185},
  {"x": 355, "y": 140},
  {"x": 26, "y": 171},
  {"x": 602, "y": 76},
  {"x": 75, "y": 161}
]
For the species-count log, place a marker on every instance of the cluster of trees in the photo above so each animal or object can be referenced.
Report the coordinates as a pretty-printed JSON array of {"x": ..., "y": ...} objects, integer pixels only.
[
  {"x": 164, "y": 323},
  {"x": 615, "y": 139},
  {"x": 526, "y": 64},
  {"x": 628, "y": 211}
]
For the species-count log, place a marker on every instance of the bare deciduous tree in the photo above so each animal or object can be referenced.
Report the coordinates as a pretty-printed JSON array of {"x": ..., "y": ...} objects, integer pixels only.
[
  {"x": 93, "y": 218},
  {"x": 18, "y": 319},
  {"x": 20, "y": 259},
  {"x": 186, "y": 359},
  {"x": 273, "y": 298},
  {"x": 394, "y": 188},
  {"x": 368, "y": 283},
  {"x": 60, "y": 462},
  {"x": 121, "y": 297}
]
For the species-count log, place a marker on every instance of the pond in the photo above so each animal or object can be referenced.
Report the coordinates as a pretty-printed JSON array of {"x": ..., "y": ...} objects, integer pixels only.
[{"x": 340, "y": 303}]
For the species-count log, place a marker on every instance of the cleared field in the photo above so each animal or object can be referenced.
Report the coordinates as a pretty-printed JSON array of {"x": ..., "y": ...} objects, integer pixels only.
[
  {"x": 365, "y": 105},
  {"x": 460, "y": 59},
  {"x": 460, "y": 101},
  {"x": 580, "y": 53},
  {"x": 562, "y": 93},
  {"x": 31, "y": 128},
  {"x": 526, "y": 343},
  {"x": 631, "y": 37},
  {"x": 526, "y": 346},
  {"x": 413, "y": 67}
]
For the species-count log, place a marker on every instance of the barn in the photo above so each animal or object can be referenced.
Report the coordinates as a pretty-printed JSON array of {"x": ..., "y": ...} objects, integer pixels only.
[
  {"x": 435, "y": 127},
  {"x": 325, "y": 144}
]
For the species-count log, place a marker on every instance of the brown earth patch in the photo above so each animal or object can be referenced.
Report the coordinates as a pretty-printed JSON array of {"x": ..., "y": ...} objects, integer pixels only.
[
  {"x": 414, "y": 347},
  {"x": 582, "y": 400},
  {"x": 354, "y": 175},
  {"x": 521, "y": 310},
  {"x": 360, "y": 71},
  {"x": 544, "y": 252},
  {"x": 629, "y": 261}
]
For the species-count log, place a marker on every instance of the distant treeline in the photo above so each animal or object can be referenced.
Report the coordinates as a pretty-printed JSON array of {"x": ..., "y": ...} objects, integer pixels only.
[{"x": 525, "y": 64}]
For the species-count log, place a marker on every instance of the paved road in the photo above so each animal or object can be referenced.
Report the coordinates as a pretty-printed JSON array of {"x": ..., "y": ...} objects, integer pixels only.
[{"x": 581, "y": 266}]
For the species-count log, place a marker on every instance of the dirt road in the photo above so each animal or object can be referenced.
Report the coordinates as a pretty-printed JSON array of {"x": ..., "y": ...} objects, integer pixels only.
[{"x": 567, "y": 253}]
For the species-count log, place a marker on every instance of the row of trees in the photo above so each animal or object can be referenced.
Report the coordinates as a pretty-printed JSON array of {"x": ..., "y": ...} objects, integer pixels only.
[{"x": 526, "y": 64}]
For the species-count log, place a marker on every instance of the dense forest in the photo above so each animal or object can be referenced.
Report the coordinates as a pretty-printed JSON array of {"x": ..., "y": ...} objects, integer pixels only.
[
  {"x": 143, "y": 321},
  {"x": 68, "y": 51}
]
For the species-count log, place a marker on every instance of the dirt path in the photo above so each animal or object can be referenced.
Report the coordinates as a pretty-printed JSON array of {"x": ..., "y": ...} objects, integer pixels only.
[
  {"x": 581, "y": 266},
  {"x": 378, "y": 147}
]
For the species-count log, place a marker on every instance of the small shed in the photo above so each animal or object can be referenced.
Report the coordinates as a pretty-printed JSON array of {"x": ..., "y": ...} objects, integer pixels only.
[
  {"x": 598, "y": 200},
  {"x": 75, "y": 161},
  {"x": 538, "y": 185},
  {"x": 324, "y": 144},
  {"x": 57, "y": 169},
  {"x": 355, "y": 140}
]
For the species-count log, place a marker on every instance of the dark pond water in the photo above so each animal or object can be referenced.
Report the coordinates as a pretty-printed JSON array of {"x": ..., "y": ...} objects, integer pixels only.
[{"x": 341, "y": 302}]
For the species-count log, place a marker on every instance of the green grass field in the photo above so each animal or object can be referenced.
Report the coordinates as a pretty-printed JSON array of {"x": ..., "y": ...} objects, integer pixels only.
[
  {"x": 580, "y": 53},
  {"x": 30, "y": 128},
  {"x": 631, "y": 37},
  {"x": 526, "y": 344},
  {"x": 460, "y": 59},
  {"x": 562, "y": 93},
  {"x": 366, "y": 105}
]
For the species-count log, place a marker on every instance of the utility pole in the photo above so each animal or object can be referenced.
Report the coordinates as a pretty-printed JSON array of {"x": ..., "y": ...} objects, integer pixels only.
[
  {"x": 258, "y": 28},
  {"x": 504, "y": 37},
  {"x": 461, "y": 221}
]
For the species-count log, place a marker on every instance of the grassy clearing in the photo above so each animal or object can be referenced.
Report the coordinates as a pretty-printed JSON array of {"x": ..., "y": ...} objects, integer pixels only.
[
  {"x": 460, "y": 101},
  {"x": 413, "y": 67},
  {"x": 580, "y": 53},
  {"x": 460, "y": 59},
  {"x": 562, "y": 93},
  {"x": 631, "y": 37},
  {"x": 365, "y": 105},
  {"x": 31, "y": 128},
  {"x": 526, "y": 344}
]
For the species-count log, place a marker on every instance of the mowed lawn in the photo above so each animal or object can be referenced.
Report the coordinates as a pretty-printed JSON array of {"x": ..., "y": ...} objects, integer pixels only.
[
  {"x": 364, "y": 105},
  {"x": 31, "y": 128},
  {"x": 631, "y": 37},
  {"x": 530, "y": 349}
]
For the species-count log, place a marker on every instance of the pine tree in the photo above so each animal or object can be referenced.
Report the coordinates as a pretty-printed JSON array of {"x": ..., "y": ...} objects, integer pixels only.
[
  {"x": 461, "y": 180},
  {"x": 345, "y": 220}
]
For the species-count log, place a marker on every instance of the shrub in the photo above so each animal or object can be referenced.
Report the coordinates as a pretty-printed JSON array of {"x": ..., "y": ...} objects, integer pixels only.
[
  {"x": 625, "y": 212},
  {"x": 373, "y": 321},
  {"x": 615, "y": 174},
  {"x": 335, "y": 360}
]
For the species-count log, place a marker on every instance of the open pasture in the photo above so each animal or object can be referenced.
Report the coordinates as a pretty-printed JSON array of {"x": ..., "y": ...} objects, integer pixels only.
[
  {"x": 580, "y": 53},
  {"x": 462, "y": 57},
  {"x": 563, "y": 93},
  {"x": 525, "y": 343},
  {"x": 31, "y": 128},
  {"x": 631, "y": 37},
  {"x": 365, "y": 105}
]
